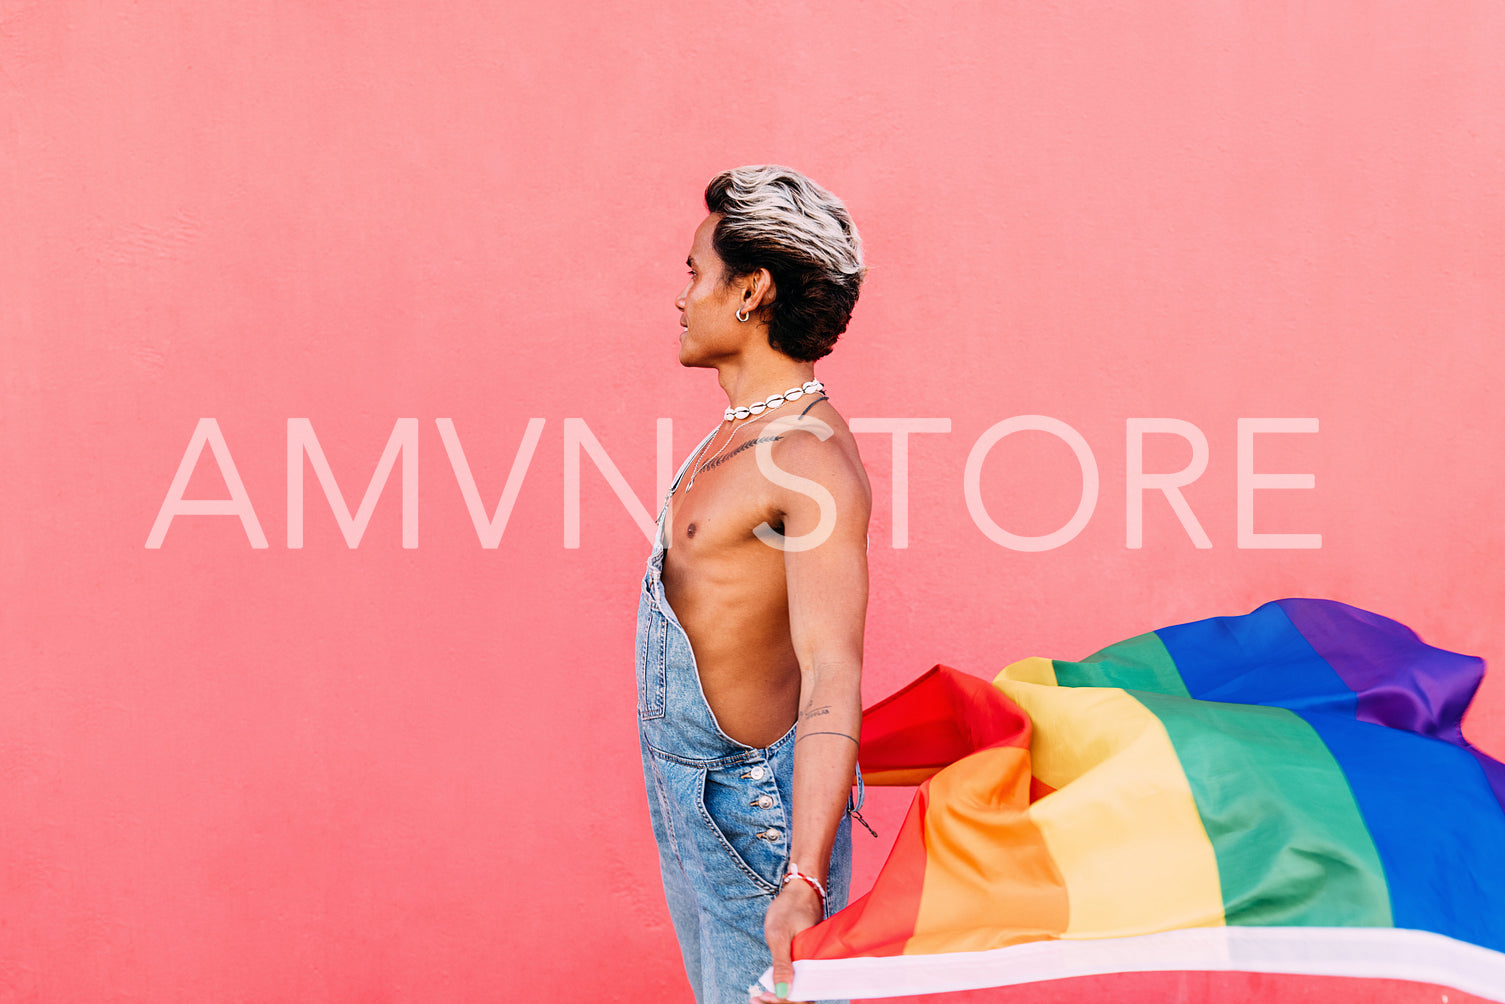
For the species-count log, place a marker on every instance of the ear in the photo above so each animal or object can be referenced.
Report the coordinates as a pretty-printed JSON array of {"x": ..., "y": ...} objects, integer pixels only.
[{"x": 757, "y": 290}]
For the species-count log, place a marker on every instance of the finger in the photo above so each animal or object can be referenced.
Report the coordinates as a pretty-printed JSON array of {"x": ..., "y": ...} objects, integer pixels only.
[
  {"x": 783, "y": 966},
  {"x": 757, "y": 995}
]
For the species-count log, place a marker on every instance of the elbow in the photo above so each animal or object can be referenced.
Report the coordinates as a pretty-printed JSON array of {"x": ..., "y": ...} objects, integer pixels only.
[{"x": 833, "y": 667}]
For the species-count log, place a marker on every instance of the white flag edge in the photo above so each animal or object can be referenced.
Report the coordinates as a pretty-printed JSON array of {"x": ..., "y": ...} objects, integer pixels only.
[{"x": 1363, "y": 952}]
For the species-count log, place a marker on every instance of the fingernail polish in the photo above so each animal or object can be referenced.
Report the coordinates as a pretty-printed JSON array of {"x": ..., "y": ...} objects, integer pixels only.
[{"x": 782, "y": 989}]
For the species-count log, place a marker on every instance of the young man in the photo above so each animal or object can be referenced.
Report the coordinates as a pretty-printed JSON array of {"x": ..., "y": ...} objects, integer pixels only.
[{"x": 750, "y": 621}]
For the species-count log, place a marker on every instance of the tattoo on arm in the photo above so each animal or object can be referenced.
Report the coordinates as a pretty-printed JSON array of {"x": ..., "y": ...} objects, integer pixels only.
[
  {"x": 807, "y": 735},
  {"x": 810, "y": 712}
]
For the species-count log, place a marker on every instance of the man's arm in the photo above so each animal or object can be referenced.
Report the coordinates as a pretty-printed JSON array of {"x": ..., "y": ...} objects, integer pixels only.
[{"x": 827, "y": 587}]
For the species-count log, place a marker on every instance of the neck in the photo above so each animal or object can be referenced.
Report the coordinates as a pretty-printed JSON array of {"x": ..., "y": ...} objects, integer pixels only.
[{"x": 749, "y": 380}]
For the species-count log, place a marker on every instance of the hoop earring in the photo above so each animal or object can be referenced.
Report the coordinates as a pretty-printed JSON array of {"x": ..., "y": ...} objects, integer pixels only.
[{"x": 741, "y": 316}]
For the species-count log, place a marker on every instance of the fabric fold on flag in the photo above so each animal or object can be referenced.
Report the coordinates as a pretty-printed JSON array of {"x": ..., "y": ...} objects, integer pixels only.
[{"x": 1284, "y": 791}]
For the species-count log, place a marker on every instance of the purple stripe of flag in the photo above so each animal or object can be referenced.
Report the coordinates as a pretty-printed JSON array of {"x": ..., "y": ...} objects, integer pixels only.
[{"x": 1399, "y": 680}]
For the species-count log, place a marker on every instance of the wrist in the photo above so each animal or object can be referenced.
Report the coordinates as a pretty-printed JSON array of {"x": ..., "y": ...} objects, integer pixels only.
[
  {"x": 806, "y": 885},
  {"x": 804, "y": 897}
]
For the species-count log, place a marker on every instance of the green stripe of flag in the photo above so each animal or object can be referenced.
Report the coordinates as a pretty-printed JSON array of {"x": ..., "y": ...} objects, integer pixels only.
[
  {"x": 1291, "y": 846},
  {"x": 1141, "y": 663}
]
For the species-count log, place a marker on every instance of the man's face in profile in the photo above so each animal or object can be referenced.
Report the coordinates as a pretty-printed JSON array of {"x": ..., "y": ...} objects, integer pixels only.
[{"x": 707, "y": 305}]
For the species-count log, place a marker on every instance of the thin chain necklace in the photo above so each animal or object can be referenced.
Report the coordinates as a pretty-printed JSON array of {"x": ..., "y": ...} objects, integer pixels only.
[
  {"x": 701, "y": 466},
  {"x": 741, "y": 414}
]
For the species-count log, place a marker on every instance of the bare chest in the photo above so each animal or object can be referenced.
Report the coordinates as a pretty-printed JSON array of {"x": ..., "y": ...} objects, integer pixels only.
[
  {"x": 713, "y": 517},
  {"x": 718, "y": 515}
]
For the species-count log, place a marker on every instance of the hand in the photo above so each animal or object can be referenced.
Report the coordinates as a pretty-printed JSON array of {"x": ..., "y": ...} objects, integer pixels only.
[{"x": 795, "y": 908}]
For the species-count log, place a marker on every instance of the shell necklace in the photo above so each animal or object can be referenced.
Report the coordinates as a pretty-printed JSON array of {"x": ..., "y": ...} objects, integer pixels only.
[{"x": 748, "y": 411}]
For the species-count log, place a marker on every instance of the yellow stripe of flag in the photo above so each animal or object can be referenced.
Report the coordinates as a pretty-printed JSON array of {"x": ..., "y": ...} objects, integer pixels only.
[{"x": 1122, "y": 826}]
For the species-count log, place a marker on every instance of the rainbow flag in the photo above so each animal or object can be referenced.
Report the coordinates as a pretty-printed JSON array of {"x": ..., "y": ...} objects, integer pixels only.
[{"x": 1285, "y": 791}]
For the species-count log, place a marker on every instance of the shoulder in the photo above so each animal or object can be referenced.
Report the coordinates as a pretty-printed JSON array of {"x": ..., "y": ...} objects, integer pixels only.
[{"x": 818, "y": 445}]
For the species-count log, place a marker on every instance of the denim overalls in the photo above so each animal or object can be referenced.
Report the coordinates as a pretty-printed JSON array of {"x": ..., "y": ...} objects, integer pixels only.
[{"x": 720, "y": 810}]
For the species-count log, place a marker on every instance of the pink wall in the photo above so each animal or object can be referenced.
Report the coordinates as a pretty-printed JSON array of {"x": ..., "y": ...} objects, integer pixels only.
[{"x": 388, "y": 773}]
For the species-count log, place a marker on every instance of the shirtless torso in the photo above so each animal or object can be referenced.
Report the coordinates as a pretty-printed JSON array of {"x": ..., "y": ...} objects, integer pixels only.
[
  {"x": 730, "y": 589},
  {"x": 763, "y": 563}
]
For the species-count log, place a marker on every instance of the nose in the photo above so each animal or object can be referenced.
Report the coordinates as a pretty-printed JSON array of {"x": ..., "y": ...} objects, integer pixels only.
[{"x": 679, "y": 301}]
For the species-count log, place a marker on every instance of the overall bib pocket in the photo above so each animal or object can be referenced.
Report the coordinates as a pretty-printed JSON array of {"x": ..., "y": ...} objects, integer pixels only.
[{"x": 652, "y": 639}]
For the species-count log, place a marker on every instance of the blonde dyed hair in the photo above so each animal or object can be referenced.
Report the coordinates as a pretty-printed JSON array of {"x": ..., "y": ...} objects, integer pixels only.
[{"x": 776, "y": 218}]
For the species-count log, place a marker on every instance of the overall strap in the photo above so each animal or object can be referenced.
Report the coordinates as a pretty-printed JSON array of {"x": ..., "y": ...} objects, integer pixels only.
[
  {"x": 693, "y": 454},
  {"x": 664, "y": 506}
]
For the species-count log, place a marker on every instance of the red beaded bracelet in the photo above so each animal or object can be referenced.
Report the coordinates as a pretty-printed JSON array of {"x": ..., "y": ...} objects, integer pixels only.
[{"x": 795, "y": 873}]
